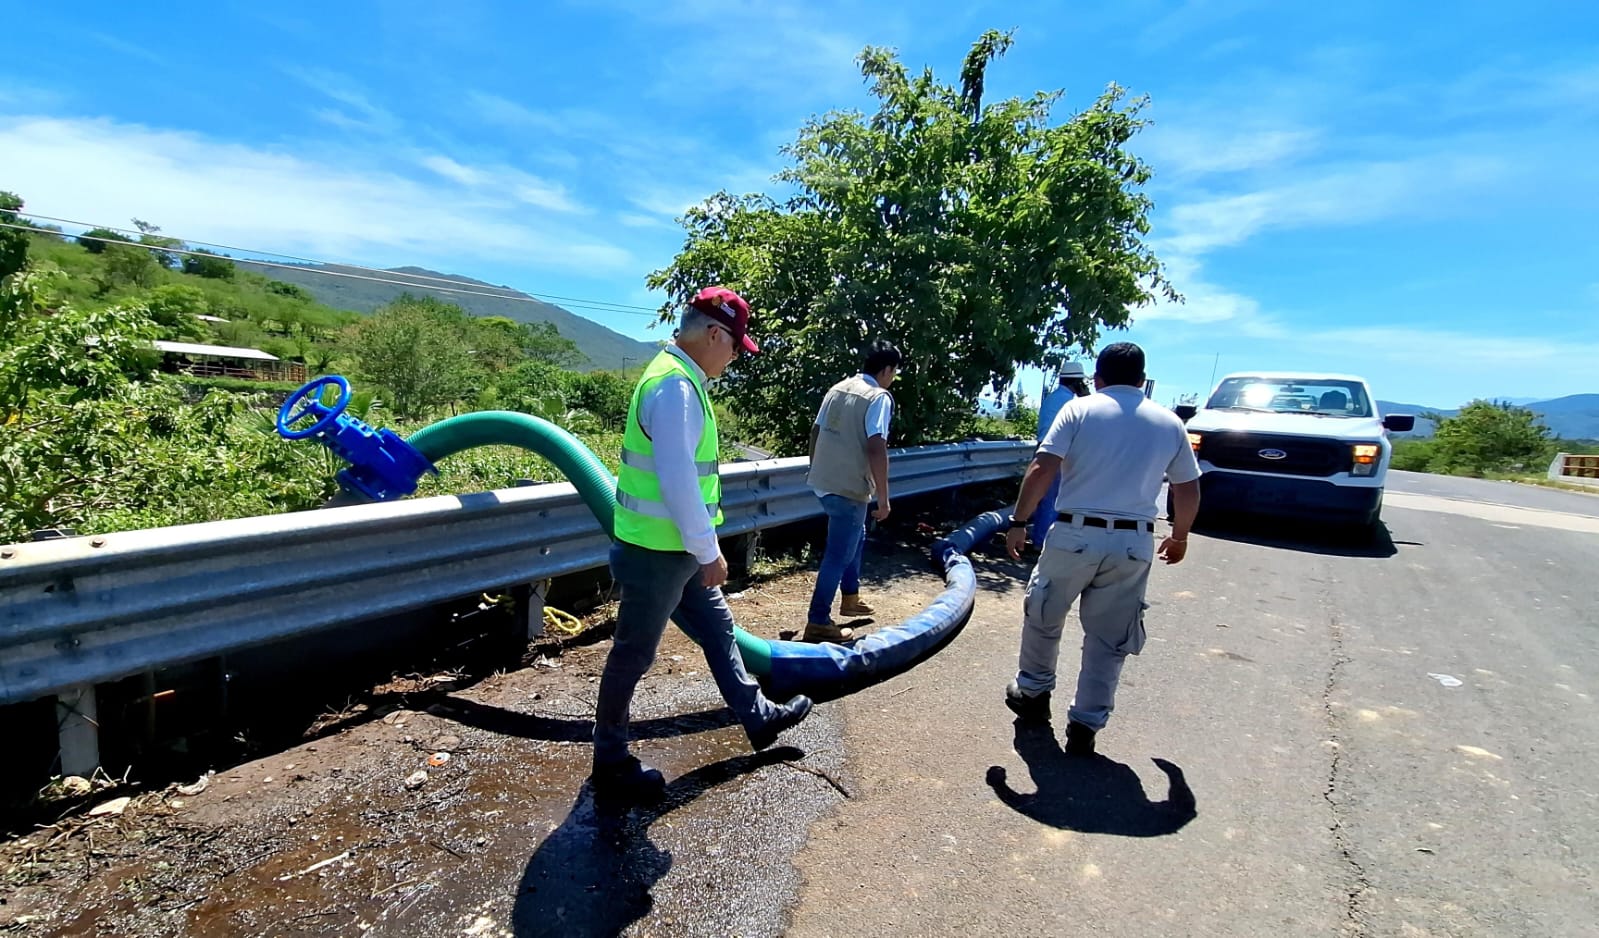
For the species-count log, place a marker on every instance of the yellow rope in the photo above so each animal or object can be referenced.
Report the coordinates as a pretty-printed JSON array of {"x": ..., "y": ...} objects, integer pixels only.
[{"x": 563, "y": 622}]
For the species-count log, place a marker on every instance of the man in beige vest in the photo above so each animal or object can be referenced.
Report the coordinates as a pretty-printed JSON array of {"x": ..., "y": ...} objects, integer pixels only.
[{"x": 849, "y": 469}]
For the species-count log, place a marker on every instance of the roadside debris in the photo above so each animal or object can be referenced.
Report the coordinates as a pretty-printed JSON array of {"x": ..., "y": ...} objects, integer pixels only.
[
  {"x": 75, "y": 786},
  {"x": 113, "y": 807},
  {"x": 316, "y": 866},
  {"x": 438, "y": 759},
  {"x": 416, "y": 779},
  {"x": 197, "y": 786},
  {"x": 1447, "y": 680}
]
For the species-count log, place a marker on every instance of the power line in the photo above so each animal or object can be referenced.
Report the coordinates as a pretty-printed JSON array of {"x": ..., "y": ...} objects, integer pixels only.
[
  {"x": 597, "y": 305},
  {"x": 520, "y": 297}
]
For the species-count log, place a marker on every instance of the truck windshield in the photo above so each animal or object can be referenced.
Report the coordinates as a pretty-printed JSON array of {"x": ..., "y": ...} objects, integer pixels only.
[{"x": 1322, "y": 397}]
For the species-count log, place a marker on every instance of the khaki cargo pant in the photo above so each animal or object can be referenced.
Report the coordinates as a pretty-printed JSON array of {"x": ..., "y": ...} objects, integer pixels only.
[{"x": 1110, "y": 571}]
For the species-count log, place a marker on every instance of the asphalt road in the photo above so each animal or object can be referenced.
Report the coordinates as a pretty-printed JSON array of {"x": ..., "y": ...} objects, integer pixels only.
[
  {"x": 1504, "y": 493},
  {"x": 1319, "y": 740},
  {"x": 1395, "y": 741}
]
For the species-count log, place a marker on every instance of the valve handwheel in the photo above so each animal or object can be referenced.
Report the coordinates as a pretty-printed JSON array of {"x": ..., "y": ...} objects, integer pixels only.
[{"x": 311, "y": 394}]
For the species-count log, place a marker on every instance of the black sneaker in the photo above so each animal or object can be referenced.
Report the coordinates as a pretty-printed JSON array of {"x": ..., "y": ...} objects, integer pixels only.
[
  {"x": 1032, "y": 708},
  {"x": 630, "y": 779},
  {"x": 1079, "y": 739},
  {"x": 788, "y": 716}
]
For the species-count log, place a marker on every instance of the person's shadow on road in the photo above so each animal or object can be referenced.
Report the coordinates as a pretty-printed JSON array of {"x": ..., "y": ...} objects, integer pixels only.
[
  {"x": 592, "y": 876},
  {"x": 1093, "y": 795}
]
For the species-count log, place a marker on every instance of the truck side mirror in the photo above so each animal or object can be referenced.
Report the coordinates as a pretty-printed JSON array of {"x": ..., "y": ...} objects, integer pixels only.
[
  {"x": 1399, "y": 423},
  {"x": 1185, "y": 412}
]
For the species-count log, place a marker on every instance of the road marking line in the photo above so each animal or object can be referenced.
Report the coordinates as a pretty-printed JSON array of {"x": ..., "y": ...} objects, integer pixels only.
[{"x": 1493, "y": 512}]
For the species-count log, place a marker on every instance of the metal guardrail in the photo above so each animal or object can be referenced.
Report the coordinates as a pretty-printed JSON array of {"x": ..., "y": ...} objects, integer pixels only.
[
  {"x": 88, "y": 610},
  {"x": 1575, "y": 467}
]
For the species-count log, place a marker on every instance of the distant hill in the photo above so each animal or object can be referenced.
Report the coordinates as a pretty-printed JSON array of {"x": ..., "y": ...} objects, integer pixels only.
[
  {"x": 1574, "y": 417},
  {"x": 604, "y": 347}
]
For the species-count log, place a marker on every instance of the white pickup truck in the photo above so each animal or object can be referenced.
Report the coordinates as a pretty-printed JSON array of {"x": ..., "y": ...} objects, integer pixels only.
[{"x": 1297, "y": 444}]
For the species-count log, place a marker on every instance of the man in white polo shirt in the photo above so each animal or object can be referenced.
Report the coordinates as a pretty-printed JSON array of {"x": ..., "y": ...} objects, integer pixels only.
[{"x": 1113, "y": 449}]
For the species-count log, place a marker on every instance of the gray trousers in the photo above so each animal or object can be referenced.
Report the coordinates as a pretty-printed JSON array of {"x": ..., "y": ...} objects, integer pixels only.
[
  {"x": 657, "y": 585},
  {"x": 1110, "y": 571}
]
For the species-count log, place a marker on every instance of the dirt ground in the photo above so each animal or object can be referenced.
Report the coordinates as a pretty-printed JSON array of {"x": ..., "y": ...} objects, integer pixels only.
[{"x": 438, "y": 808}]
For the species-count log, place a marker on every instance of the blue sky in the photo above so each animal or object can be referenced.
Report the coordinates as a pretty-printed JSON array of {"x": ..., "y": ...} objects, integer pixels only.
[{"x": 1389, "y": 189}]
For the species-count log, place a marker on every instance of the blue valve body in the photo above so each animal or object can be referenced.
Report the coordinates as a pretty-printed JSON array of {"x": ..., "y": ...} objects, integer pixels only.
[{"x": 383, "y": 467}]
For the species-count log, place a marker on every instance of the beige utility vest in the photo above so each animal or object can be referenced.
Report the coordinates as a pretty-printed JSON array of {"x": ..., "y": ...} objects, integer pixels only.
[{"x": 840, "y": 467}]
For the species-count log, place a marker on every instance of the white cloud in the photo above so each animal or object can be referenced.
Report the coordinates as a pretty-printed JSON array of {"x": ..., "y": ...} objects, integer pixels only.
[
  {"x": 30, "y": 99},
  {"x": 636, "y": 220},
  {"x": 130, "y": 49},
  {"x": 499, "y": 180},
  {"x": 1190, "y": 17},
  {"x": 761, "y": 53},
  {"x": 450, "y": 169},
  {"x": 1194, "y": 151},
  {"x": 199, "y": 188},
  {"x": 1462, "y": 353},
  {"x": 1341, "y": 196},
  {"x": 359, "y": 114}
]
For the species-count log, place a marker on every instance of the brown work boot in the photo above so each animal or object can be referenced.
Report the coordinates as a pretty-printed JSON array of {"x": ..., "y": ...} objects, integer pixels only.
[
  {"x": 826, "y": 632},
  {"x": 852, "y": 608}
]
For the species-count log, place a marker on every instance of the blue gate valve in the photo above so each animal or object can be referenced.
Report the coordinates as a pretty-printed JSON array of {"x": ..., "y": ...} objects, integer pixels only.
[{"x": 383, "y": 467}]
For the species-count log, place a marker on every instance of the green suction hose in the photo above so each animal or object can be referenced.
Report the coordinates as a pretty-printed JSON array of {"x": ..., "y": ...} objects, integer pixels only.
[{"x": 594, "y": 483}]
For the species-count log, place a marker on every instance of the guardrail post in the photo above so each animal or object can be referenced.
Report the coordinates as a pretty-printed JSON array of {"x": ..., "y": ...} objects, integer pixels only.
[
  {"x": 741, "y": 552},
  {"x": 79, "y": 734},
  {"x": 1558, "y": 467},
  {"x": 529, "y": 599}
]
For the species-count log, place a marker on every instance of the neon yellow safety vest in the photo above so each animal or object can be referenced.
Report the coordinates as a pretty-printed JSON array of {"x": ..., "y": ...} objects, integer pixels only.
[{"x": 641, "y": 515}]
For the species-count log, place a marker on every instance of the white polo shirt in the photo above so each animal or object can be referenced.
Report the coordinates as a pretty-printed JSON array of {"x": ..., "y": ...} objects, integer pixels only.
[{"x": 1118, "y": 446}]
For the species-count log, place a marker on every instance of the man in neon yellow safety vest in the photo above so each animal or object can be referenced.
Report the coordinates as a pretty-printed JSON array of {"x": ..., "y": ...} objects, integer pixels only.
[{"x": 666, "y": 558}]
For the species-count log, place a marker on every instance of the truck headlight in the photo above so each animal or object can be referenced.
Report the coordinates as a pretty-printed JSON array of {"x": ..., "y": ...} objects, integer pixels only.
[
  {"x": 1366, "y": 459},
  {"x": 1194, "y": 439}
]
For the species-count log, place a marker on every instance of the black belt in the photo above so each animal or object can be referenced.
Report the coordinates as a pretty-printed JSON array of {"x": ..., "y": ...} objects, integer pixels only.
[{"x": 1117, "y": 524}]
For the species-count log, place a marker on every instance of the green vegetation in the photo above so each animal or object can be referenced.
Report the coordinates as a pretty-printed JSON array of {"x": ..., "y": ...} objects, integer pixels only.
[
  {"x": 1484, "y": 439},
  {"x": 599, "y": 347},
  {"x": 96, "y": 438},
  {"x": 976, "y": 236}
]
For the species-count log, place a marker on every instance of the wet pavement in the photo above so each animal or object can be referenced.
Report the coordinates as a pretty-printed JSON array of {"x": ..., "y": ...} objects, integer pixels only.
[
  {"x": 1319, "y": 739},
  {"x": 502, "y": 838}
]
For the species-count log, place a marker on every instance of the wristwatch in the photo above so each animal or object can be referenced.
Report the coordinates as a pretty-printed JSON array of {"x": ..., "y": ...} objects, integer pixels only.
[{"x": 1016, "y": 522}]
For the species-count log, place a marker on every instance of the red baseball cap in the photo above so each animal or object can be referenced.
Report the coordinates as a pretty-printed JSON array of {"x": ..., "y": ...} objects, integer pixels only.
[{"x": 729, "y": 310}]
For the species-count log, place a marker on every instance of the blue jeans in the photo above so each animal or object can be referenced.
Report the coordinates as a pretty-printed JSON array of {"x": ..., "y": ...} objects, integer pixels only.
[
  {"x": 841, "y": 561},
  {"x": 1045, "y": 514},
  {"x": 657, "y": 585}
]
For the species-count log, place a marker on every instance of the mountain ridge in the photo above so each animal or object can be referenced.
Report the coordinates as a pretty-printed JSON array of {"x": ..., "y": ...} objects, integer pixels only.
[
  {"x": 1572, "y": 417},
  {"x": 605, "y": 348}
]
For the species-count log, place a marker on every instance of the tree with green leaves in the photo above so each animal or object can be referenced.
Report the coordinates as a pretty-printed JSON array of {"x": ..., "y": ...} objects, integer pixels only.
[
  {"x": 13, "y": 243},
  {"x": 291, "y": 290},
  {"x": 57, "y": 366},
  {"x": 127, "y": 265},
  {"x": 95, "y": 240},
  {"x": 203, "y": 263},
  {"x": 151, "y": 235},
  {"x": 175, "y": 308},
  {"x": 1486, "y": 437},
  {"x": 514, "y": 341},
  {"x": 420, "y": 350},
  {"x": 977, "y": 236}
]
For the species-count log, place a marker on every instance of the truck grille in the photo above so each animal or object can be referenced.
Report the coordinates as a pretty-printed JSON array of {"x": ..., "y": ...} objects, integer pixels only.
[{"x": 1302, "y": 455}]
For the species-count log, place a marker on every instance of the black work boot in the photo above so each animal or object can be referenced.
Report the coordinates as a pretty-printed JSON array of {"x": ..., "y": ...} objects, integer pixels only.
[
  {"x": 629, "y": 779},
  {"x": 1079, "y": 739},
  {"x": 1030, "y": 708},
  {"x": 788, "y": 716}
]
